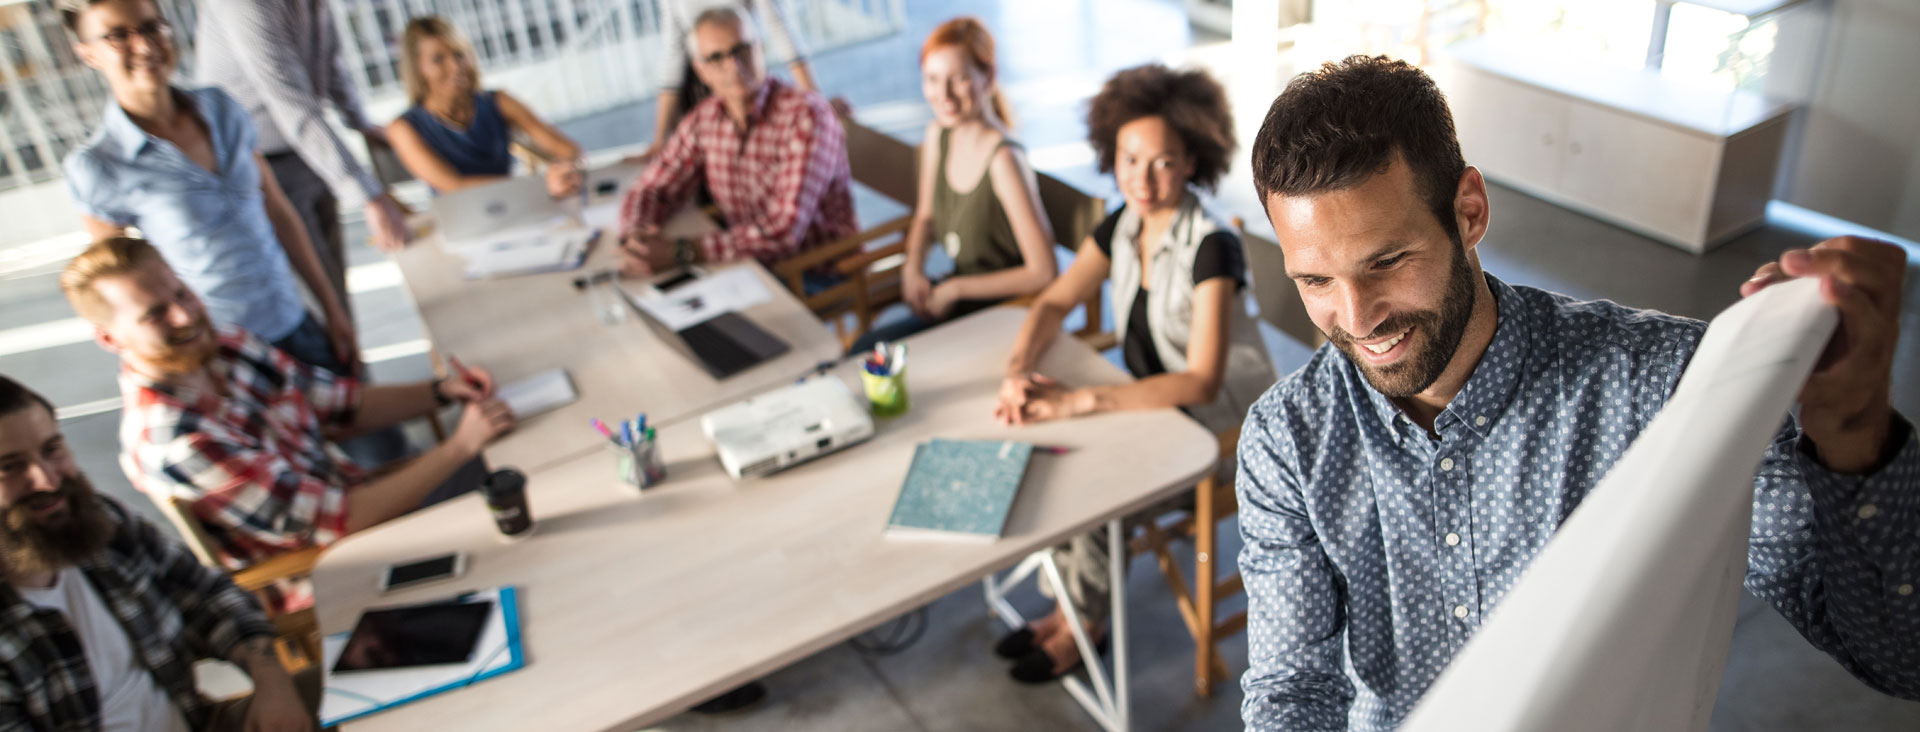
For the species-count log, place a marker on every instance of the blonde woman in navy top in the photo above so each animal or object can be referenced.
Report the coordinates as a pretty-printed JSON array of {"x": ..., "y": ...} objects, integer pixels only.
[{"x": 457, "y": 135}]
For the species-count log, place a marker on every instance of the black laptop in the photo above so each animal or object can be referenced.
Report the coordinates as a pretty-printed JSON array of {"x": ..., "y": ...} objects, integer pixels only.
[{"x": 724, "y": 345}]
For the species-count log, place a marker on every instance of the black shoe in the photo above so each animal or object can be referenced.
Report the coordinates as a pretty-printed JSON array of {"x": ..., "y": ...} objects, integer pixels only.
[
  {"x": 1037, "y": 667},
  {"x": 1014, "y": 645},
  {"x": 733, "y": 701}
]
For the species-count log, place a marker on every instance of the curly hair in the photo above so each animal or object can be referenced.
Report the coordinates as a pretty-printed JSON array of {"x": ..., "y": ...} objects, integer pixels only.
[
  {"x": 1337, "y": 126},
  {"x": 1191, "y": 102}
]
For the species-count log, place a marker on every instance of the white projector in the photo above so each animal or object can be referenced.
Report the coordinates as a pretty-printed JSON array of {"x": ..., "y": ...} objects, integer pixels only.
[{"x": 786, "y": 426}]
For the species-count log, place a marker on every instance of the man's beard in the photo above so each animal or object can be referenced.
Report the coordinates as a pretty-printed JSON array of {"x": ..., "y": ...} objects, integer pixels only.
[
  {"x": 174, "y": 359},
  {"x": 29, "y": 543},
  {"x": 1440, "y": 333}
]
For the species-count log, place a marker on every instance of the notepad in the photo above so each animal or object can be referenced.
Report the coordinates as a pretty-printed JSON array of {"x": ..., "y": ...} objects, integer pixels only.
[
  {"x": 355, "y": 694},
  {"x": 959, "y": 489},
  {"x": 528, "y": 252},
  {"x": 539, "y": 393}
]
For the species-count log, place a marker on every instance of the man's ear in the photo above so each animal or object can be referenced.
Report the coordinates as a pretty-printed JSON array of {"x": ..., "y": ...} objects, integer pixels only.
[
  {"x": 106, "y": 341},
  {"x": 1471, "y": 209}
]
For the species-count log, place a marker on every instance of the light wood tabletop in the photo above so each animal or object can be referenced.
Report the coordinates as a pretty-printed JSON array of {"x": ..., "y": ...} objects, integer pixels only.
[
  {"x": 637, "y": 606},
  {"x": 522, "y": 325}
]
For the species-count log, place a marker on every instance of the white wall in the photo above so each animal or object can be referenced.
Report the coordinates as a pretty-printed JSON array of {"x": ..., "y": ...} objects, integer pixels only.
[{"x": 1858, "y": 156}]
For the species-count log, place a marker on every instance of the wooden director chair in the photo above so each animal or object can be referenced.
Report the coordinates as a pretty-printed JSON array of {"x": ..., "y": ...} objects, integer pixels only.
[
  {"x": 297, "y": 640},
  {"x": 886, "y": 165}
]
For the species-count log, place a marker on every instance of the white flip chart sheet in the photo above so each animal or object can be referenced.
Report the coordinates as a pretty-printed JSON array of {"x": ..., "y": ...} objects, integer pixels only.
[{"x": 1621, "y": 624}]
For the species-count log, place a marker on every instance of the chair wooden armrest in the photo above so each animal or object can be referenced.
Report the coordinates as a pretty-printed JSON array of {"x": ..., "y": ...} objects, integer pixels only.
[
  {"x": 859, "y": 263},
  {"x": 792, "y": 270},
  {"x": 291, "y": 565}
]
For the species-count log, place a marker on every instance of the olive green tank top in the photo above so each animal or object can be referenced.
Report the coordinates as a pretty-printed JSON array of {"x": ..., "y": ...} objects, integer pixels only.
[{"x": 972, "y": 226}]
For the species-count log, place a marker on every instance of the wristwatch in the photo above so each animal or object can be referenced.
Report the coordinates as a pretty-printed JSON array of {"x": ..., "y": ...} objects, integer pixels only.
[
  {"x": 683, "y": 251},
  {"x": 439, "y": 396}
]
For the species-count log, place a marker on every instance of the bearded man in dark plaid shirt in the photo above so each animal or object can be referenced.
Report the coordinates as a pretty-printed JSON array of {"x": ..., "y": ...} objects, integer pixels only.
[{"x": 102, "y": 615}]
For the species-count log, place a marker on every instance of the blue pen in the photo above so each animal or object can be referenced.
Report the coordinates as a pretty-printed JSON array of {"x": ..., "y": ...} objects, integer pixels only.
[{"x": 640, "y": 423}]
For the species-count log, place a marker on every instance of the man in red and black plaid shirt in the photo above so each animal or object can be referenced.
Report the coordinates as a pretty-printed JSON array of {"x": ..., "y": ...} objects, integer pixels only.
[
  {"x": 773, "y": 156},
  {"x": 241, "y": 430}
]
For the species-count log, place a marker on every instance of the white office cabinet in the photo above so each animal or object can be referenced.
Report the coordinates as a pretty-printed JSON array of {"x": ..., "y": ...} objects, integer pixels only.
[{"x": 1688, "y": 167}]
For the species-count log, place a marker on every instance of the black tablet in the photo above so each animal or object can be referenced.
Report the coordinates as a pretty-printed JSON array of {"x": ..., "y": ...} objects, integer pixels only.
[{"x": 415, "y": 635}]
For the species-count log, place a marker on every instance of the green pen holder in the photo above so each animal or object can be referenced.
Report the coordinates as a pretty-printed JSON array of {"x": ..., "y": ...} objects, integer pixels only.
[{"x": 886, "y": 395}]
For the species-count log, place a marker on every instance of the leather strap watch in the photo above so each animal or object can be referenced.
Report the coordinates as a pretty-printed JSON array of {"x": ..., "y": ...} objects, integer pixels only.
[{"x": 683, "y": 251}]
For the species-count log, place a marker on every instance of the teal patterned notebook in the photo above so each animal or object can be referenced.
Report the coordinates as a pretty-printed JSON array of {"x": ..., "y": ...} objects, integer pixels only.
[{"x": 959, "y": 489}]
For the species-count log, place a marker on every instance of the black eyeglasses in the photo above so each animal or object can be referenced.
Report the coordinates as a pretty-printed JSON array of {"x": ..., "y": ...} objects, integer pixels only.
[
  {"x": 155, "y": 31},
  {"x": 739, "y": 52}
]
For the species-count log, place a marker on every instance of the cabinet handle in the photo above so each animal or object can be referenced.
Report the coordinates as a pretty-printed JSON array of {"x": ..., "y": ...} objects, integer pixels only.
[
  {"x": 1546, "y": 140},
  {"x": 1573, "y": 147}
]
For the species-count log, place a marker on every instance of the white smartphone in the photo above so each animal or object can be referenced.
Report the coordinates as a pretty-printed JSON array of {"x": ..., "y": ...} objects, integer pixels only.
[{"x": 432, "y": 569}]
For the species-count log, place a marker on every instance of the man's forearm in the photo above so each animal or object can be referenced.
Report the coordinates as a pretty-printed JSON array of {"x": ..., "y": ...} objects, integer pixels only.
[
  {"x": 400, "y": 491},
  {"x": 387, "y": 405}
]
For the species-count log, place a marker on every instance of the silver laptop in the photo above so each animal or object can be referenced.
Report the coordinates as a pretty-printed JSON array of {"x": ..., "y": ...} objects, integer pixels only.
[{"x": 483, "y": 211}]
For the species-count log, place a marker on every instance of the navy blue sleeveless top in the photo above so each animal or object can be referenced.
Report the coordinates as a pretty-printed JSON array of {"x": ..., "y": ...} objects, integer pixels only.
[{"x": 480, "y": 149}]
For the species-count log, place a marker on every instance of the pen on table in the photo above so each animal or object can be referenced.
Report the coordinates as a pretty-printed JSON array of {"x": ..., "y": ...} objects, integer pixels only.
[
  {"x": 1053, "y": 449},
  {"x": 602, "y": 428}
]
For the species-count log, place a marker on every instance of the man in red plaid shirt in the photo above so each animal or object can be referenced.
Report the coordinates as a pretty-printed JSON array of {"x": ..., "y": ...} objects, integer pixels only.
[
  {"x": 773, "y": 156},
  {"x": 243, "y": 431}
]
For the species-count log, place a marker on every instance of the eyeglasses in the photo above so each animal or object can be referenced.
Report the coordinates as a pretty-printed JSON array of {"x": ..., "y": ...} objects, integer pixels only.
[
  {"x": 155, "y": 31},
  {"x": 739, "y": 52}
]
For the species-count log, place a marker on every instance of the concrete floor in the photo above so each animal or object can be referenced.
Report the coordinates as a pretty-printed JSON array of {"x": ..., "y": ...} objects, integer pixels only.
[{"x": 1054, "y": 55}]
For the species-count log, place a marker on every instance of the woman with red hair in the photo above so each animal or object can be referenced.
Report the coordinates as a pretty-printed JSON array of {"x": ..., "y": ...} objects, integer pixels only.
[{"x": 977, "y": 196}]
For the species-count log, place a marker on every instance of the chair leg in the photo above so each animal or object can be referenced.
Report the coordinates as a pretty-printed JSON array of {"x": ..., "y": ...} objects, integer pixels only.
[{"x": 1203, "y": 586}]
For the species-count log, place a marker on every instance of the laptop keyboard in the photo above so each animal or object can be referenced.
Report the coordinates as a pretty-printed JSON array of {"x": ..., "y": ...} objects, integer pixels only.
[{"x": 719, "y": 351}]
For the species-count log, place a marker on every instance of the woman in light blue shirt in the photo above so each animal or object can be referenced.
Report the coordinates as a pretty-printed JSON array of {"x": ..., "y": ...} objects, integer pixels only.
[{"x": 181, "y": 166}]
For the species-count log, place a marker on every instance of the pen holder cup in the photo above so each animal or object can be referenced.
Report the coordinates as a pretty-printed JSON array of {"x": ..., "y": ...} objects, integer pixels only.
[
  {"x": 639, "y": 465},
  {"x": 887, "y": 394}
]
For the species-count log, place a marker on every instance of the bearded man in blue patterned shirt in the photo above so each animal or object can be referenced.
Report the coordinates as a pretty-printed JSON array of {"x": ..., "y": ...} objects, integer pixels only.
[{"x": 1394, "y": 488}]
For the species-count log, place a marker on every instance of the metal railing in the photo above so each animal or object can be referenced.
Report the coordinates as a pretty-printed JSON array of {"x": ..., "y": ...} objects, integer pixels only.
[{"x": 566, "y": 58}]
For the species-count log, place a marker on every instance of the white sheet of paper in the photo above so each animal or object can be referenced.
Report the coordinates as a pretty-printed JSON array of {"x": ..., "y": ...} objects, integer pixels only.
[
  {"x": 539, "y": 393},
  {"x": 729, "y": 290},
  {"x": 533, "y": 252},
  {"x": 1622, "y": 623}
]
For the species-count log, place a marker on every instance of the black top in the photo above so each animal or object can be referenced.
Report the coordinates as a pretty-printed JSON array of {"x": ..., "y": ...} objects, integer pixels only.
[{"x": 1219, "y": 255}]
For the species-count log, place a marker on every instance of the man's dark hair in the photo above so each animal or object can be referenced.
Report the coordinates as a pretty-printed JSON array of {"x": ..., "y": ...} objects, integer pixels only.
[
  {"x": 1191, "y": 102},
  {"x": 15, "y": 396},
  {"x": 1335, "y": 127}
]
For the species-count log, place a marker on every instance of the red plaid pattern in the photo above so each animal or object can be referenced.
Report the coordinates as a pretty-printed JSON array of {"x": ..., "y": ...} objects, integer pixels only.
[
  {"x": 261, "y": 476},
  {"x": 783, "y": 184}
]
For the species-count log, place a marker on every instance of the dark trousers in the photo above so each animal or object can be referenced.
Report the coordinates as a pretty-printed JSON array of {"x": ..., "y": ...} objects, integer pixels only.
[{"x": 320, "y": 211}]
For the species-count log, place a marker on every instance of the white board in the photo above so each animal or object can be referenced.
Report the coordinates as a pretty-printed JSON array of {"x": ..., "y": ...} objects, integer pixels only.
[{"x": 1621, "y": 624}]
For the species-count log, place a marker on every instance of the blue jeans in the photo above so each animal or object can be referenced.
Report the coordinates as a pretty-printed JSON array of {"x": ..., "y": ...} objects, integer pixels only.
[{"x": 309, "y": 344}]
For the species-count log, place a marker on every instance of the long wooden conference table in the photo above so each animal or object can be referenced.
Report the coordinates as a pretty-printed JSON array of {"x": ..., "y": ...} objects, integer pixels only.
[{"x": 636, "y": 606}]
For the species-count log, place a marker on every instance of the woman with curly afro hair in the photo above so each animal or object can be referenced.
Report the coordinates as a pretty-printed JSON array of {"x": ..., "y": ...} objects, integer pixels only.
[{"x": 1177, "y": 274}]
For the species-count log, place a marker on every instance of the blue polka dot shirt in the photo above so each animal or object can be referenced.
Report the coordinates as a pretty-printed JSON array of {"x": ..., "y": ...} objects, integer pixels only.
[{"x": 1373, "y": 550}]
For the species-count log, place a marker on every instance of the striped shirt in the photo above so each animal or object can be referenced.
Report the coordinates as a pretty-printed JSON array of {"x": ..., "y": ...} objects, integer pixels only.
[
  {"x": 173, "y": 608},
  {"x": 281, "y": 59},
  {"x": 259, "y": 473}
]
